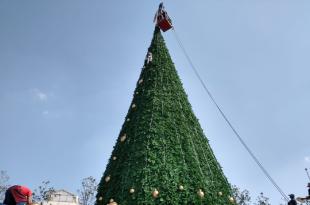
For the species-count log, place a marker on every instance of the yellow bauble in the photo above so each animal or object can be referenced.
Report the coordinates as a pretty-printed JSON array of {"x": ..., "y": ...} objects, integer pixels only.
[
  {"x": 100, "y": 198},
  {"x": 231, "y": 199},
  {"x": 112, "y": 202},
  {"x": 140, "y": 81},
  {"x": 128, "y": 120},
  {"x": 123, "y": 138},
  {"x": 132, "y": 190},
  {"x": 200, "y": 193},
  {"x": 107, "y": 179},
  {"x": 181, "y": 187},
  {"x": 155, "y": 193},
  {"x": 220, "y": 193},
  {"x": 114, "y": 158},
  {"x": 133, "y": 106}
]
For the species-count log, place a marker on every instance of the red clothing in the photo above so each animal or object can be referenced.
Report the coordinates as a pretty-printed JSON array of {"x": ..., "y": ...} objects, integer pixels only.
[{"x": 20, "y": 193}]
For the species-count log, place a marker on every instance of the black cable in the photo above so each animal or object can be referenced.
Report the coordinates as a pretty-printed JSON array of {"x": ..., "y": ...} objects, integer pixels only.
[
  {"x": 226, "y": 119},
  {"x": 307, "y": 173}
]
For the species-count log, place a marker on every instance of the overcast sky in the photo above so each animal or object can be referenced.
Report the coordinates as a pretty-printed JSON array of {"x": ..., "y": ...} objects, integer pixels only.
[{"x": 68, "y": 71}]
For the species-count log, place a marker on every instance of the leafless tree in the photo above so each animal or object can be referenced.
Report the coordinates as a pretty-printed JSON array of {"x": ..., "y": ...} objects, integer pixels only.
[
  {"x": 43, "y": 192},
  {"x": 262, "y": 200},
  {"x": 242, "y": 197},
  {"x": 4, "y": 178},
  {"x": 87, "y": 191}
]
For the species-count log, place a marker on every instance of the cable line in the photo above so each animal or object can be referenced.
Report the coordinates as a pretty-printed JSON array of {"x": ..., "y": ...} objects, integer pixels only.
[
  {"x": 307, "y": 173},
  {"x": 226, "y": 119}
]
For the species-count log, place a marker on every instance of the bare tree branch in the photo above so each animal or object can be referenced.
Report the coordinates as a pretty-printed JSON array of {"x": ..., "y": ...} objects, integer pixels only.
[
  {"x": 43, "y": 192},
  {"x": 87, "y": 191},
  {"x": 4, "y": 178}
]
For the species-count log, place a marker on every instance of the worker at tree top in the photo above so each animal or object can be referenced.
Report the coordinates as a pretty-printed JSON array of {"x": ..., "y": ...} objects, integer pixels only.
[{"x": 18, "y": 195}]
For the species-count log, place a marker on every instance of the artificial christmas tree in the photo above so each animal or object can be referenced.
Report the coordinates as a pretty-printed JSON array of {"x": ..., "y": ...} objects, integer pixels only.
[{"x": 161, "y": 155}]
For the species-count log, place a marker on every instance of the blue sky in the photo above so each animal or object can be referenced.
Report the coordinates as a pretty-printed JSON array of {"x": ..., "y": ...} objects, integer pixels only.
[{"x": 68, "y": 70}]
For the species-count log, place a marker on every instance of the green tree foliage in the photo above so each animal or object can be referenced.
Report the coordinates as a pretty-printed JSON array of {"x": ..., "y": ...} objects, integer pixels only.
[
  {"x": 161, "y": 145},
  {"x": 242, "y": 197}
]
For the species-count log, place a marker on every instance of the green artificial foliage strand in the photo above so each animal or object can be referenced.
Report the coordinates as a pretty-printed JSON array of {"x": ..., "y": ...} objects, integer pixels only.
[{"x": 161, "y": 145}]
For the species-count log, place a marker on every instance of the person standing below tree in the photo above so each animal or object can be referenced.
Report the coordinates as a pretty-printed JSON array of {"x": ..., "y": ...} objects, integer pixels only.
[
  {"x": 18, "y": 195},
  {"x": 292, "y": 201}
]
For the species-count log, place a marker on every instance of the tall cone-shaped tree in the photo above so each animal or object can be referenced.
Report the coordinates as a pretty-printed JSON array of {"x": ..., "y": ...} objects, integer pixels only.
[{"x": 162, "y": 155}]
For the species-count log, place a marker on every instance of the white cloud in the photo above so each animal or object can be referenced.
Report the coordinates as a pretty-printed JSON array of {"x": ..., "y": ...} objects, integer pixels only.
[
  {"x": 39, "y": 95},
  {"x": 307, "y": 159}
]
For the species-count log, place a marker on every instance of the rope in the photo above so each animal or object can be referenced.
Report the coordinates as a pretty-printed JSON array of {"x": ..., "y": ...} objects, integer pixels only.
[
  {"x": 216, "y": 164},
  {"x": 226, "y": 119},
  {"x": 182, "y": 152},
  {"x": 206, "y": 159},
  {"x": 150, "y": 126},
  {"x": 190, "y": 141}
]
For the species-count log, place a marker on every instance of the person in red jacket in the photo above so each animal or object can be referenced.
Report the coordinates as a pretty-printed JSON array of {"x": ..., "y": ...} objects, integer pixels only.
[{"x": 18, "y": 195}]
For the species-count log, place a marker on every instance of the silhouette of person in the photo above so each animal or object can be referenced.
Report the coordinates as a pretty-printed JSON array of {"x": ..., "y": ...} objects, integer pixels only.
[
  {"x": 308, "y": 197},
  {"x": 292, "y": 201}
]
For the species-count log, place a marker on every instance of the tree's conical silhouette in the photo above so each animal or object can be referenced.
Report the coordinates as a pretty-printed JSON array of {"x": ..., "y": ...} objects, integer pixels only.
[{"x": 161, "y": 145}]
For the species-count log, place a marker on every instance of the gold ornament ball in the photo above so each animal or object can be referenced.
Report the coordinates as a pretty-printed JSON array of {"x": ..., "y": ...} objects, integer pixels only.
[
  {"x": 133, "y": 106},
  {"x": 112, "y": 202},
  {"x": 107, "y": 179},
  {"x": 231, "y": 199},
  {"x": 123, "y": 138},
  {"x": 100, "y": 198},
  {"x": 155, "y": 193},
  {"x": 140, "y": 81},
  {"x": 132, "y": 190},
  {"x": 128, "y": 120},
  {"x": 181, "y": 187},
  {"x": 114, "y": 158},
  {"x": 200, "y": 193},
  {"x": 220, "y": 193}
]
